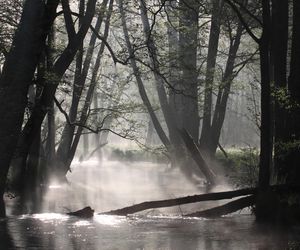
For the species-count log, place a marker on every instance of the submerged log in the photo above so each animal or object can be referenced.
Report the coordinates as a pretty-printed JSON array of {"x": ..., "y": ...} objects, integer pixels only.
[
  {"x": 86, "y": 212},
  {"x": 183, "y": 200},
  {"x": 227, "y": 208}
]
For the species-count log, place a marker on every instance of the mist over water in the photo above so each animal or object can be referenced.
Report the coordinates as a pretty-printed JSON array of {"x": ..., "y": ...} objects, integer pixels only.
[{"x": 108, "y": 185}]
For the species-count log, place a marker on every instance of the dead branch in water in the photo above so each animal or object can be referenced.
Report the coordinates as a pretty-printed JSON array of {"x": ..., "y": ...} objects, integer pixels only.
[
  {"x": 183, "y": 200},
  {"x": 227, "y": 208},
  {"x": 217, "y": 211}
]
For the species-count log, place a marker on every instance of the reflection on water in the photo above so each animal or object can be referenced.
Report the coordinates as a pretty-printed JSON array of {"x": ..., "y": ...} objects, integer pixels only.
[
  {"x": 114, "y": 185},
  {"x": 142, "y": 232}
]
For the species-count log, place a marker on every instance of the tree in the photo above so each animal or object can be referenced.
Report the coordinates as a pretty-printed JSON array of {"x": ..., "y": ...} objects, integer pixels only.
[{"x": 19, "y": 67}]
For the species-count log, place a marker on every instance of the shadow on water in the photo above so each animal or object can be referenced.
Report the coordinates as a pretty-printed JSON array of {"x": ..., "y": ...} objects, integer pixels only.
[{"x": 5, "y": 237}]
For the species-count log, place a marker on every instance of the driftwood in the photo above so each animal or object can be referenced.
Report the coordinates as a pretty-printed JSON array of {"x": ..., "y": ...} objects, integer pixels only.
[
  {"x": 227, "y": 208},
  {"x": 230, "y": 207},
  {"x": 86, "y": 212},
  {"x": 197, "y": 157},
  {"x": 183, "y": 200}
]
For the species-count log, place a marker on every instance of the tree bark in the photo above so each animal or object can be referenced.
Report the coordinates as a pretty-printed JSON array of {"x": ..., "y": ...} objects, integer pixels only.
[
  {"x": 292, "y": 170},
  {"x": 61, "y": 65},
  {"x": 279, "y": 47},
  {"x": 213, "y": 44},
  {"x": 17, "y": 74},
  {"x": 266, "y": 123},
  {"x": 188, "y": 44}
]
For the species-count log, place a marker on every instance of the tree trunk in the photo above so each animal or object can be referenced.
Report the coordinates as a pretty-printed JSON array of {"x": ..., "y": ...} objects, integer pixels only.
[
  {"x": 168, "y": 112},
  {"x": 224, "y": 91},
  {"x": 292, "y": 149},
  {"x": 82, "y": 69},
  {"x": 61, "y": 65},
  {"x": 161, "y": 133},
  {"x": 87, "y": 103},
  {"x": 188, "y": 44},
  {"x": 266, "y": 123},
  {"x": 50, "y": 143},
  {"x": 210, "y": 71},
  {"x": 17, "y": 74},
  {"x": 198, "y": 158},
  {"x": 279, "y": 46}
]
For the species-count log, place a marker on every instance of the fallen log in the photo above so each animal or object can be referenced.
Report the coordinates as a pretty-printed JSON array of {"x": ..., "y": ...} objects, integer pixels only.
[
  {"x": 227, "y": 208},
  {"x": 283, "y": 189},
  {"x": 183, "y": 200},
  {"x": 197, "y": 157},
  {"x": 86, "y": 212}
]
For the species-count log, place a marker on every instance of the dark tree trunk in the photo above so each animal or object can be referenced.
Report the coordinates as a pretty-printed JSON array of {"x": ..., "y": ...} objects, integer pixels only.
[
  {"x": 50, "y": 143},
  {"x": 68, "y": 132},
  {"x": 188, "y": 44},
  {"x": 279, "y": 46},
  {"x": 61, "y": 65},
  {"x": 224, "y": 91},
  {"x": 266, "y": 123},
  {"x": 17, "y": 74},
  {"x": 292, "y": 149},
  {"x": 210, "y": 72}
]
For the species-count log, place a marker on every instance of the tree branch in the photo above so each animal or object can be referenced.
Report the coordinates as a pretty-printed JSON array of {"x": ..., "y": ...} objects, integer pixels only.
[{"x": 246, "y": 26}]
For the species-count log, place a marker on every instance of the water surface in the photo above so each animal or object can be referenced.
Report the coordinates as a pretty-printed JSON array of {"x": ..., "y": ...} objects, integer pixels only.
[{"x": 112, "y": 185}]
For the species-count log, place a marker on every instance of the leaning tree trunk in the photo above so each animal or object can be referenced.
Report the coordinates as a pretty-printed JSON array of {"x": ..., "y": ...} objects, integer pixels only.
[
  {"x": 167, "y": 110},
  {"x": 161, "y": 133}
]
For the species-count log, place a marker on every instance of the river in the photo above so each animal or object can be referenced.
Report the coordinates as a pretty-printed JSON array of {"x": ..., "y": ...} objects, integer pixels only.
[{"x": 110, "y": 185}]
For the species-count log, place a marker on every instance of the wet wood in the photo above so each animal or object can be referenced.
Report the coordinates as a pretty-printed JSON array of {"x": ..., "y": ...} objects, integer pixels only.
[
  {"x": 183, "y": 200},
  {"x": 86, "y": 212},
  {"x": 227, "y": 208}
]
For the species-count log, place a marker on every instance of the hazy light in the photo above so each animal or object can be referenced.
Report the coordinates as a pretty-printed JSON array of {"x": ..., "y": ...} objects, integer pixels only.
[
  {"x": 82, "y": 223},
  {"x": 50, "y": 216},
  {"x": 109, "y": 220},
  {"x": 54, "y": 186}
]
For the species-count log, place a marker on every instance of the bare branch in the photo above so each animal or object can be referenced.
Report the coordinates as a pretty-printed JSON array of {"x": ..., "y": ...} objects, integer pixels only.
[{"x": 246, "y": 26}]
